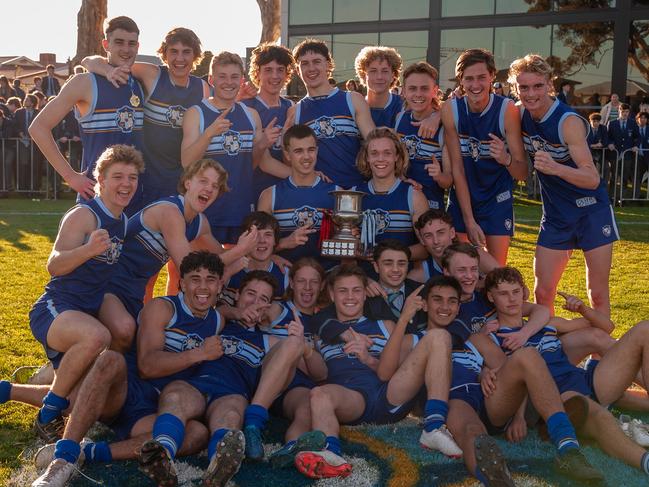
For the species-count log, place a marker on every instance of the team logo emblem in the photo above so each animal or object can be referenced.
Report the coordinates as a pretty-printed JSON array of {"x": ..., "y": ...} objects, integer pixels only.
[
  {"x": 412, "y": 144},
  {"x": 230, "y": 346},
  {"x": 125, "y": 119},
  {"x": 474, "y": 148},
  {"x": 324, "y": 127},
  {"x": 538, "y": 144},
  {"x": 508, "y": 224},
  {"x": 192, "y": 341},
  {"x": 174, "y": 115},
  {"x": 231, "y": 142},
  {"x": 306, "y": 216},
  {"x": 477, "y": 324},
  {"x": 382, "y": 220},
  {"x": 606, "y": 230},
  {"x": 113, "y": 252}
]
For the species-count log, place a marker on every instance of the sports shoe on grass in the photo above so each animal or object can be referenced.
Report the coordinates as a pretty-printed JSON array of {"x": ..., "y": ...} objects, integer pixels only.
[
  {"x": 635, "y": 429},
  {"x": 43, "y": 376},
  {"x": 156, "y": 464},
  {"x": 309, "y": 441},
  {"x": 322, "y": 464},
  {"x": 440, "y": 439},
  {"x": 254, "y": 443},
  {"x": 574, "y": 464},
  {"x": 58, "y": 473},
  {"x": 49, "y": 432},
  {"x": 45, "y": 455},
  {"x": 226, "y": 461},
  {"x": 491, "y": 462}
]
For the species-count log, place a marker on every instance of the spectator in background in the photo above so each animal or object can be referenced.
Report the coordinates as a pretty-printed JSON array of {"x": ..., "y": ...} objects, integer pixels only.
[
  {"x": 595, "y": 102},
  {"x": 611, "y": 111},
  {"x": 499, "y": 89},
  {"x": 332, "y": 82},
  {"x": 351, "y": 85},
  {"x": 51, "y": 85},
  {"x": 623, "y": 135},
  {"x": 42, "y": 100},
  {"x": 643, "y": 149},
  {"x": 598, "y": 141},
  {"x": 20, "y": 93},
  {"x": 23, "y": 119},
  {"x": 564, "y": 93},
  {"x": 7, "y": 150},
  {"x": 644, "y": 105},
  {"x": 6, "y": 91},
  {"x": 70, "y": 140},
  {"x": 38, "y": 84}
]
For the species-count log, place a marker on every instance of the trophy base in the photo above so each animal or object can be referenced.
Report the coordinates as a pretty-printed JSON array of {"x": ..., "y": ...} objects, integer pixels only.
[{"x": 340, "y": 249}]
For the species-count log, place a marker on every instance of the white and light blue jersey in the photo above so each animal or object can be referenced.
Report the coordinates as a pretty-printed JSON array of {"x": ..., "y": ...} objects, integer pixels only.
[{"x": 385, "y": 116}]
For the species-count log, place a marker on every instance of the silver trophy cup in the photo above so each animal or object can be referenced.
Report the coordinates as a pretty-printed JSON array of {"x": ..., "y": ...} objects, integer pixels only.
[{"x": 346, "y": 215}]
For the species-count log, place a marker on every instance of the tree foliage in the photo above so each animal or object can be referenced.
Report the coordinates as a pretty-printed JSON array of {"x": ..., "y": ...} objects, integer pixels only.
[{"x": 203, "y": 67}]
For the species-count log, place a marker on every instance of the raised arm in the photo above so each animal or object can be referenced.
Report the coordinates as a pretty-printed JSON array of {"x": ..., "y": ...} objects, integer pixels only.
[
  {"x": 261, "y": 155},
  {"x": 589, "y": 317},
  {"x": 194, "y": 142}
]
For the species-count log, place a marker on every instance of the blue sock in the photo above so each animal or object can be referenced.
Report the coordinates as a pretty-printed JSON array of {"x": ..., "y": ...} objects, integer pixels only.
[
  {"x": 481, "y": 477},
  {"x": 561, "y": 432},
  {"x": 169, "y": 431},
  {"x": 5, "y": 391},
  {"x": 333, "y": 445},
  {"x": 644, "y": 463},
  {"x": 435, "y": 413},
  {"x": 214, "y": 441},
  {"x": 256, "y": 416},
  {"x": 68, "y": 450},
  {"x": 97, "y": 452},
  {"x": 53, "y": 405}
]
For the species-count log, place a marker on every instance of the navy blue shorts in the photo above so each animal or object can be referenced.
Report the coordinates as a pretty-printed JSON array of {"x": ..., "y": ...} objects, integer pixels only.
[
  {"x": 378, "y": 410},
  {"x": 299, "y": 380},
  {"x": 592, "y": 230},
  {"x": 132, "y": 304},
  {"x": 215, "y": 381},
  {"x": 141, "y": 400},
  {"x": 497, "y": 219},
  {"x": 577, "y": 380},
  {"x": 43, "y": 314},
  {"x": 470, "y": 394}
]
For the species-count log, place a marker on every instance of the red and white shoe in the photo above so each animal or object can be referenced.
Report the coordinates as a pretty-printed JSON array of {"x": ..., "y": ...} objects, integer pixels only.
[{"x": 322, "y": 464}]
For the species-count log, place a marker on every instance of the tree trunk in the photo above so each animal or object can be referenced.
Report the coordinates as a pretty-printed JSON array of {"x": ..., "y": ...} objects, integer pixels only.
[
  {"x": 90, "y": 32},
  {"x": 270, "y": 20}
]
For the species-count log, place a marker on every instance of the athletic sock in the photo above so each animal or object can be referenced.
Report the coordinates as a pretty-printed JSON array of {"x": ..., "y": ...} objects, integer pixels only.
[
  {"x": 481, "y": 477},
  {"x": 97, "y": 452},
  {"x": 5, "y": 391},
  {"x": 255, "y": 415},
  {"x": 53, "y": 405},
  {"x": 435, "y": 413},
  {"x": 68, "y": 450},
  {"x": 562, "y": 432},
  {"x": 169, "y": 431},
  {"x": 214, "y": 442},
  {"x": 333, "y": 445},
  {"x": 644, "y": 462}
]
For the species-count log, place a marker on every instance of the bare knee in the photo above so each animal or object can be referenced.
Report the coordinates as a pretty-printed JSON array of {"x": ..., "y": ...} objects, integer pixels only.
[
  {"x": 293, "y": 346},
  {"x": 109, "y": 365},
  {"x": 319, "y": 398},
  {"x": 95, "y": 340},
  {"x": 438, "y": 340},
  {"x": 526, "y": 357}
]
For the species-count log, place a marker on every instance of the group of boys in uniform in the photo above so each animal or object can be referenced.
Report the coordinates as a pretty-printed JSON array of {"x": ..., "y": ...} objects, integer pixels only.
[{"x": 245, "y": 331}]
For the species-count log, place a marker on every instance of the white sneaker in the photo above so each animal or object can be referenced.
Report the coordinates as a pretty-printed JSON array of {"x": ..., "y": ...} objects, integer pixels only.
[
  {"x": 639, "y": 432},
  {"x": 45, "y": 455},
  {"x": 57, "y": 474},
  {"x": 441, "y": 440}
]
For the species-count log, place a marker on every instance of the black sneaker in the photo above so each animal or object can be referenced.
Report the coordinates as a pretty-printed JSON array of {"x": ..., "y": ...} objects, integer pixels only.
[
  {"x": 226, "y": 461},
  {"x": 49, "y": 432},
  {"x": 155, "y": 463},
  {"x": 491, "y": 462},
  {"x": 573, "y": 464}
]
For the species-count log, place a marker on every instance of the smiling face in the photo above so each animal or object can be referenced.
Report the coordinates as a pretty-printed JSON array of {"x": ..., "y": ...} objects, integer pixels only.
[
  {"x": 306, "y": 285},
  {"x": 273, "y": 76},
  {"x": 302, "y": 154},
  {"x": 121, "y": 47},
  {"x": 202, "y": 189},
  {"x": 534, "y": 92},
  {"x": 392, "y": 268},
  {"x": 379, "y": 77},
  {"x": 507, "y": 298},
  {"x": 419, "y": 89},
  {"x": 117, "y": 184},
  {"x": 226, "y": 79},
  {"x": 265, "y": 245},
  {"x": 442, "y": 305},
  {"x": 313, "y": 69},
  {"x": 466, "y": 270},
  {"x": 382, "y": 158},
  {"x": 255, "y": 293},
  {"x": 435, "y": 236},
  {"x": 348, "y": 295},
  {"x": 476, "y": 82},
  {"x": 180, "y": 59},
  {"x": 201, "y": 289}
]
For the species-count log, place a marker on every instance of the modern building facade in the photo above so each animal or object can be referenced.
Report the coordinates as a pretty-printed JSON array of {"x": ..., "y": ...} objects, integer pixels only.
[{"x": 599, "y": 46}]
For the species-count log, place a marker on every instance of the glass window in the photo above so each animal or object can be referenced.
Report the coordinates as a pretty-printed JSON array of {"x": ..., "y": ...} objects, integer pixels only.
[
  {"x": 356, "y": 10},
  {"x": 309, "y": 12},
  {"x": 412, "y": 45},
  {"x": 461, "y": 8},
  {"x": 346, "y": 47},
  {"x": 572, "y": 5},
  {"x": 404, "y": 9},
  {"x": 521, "y": 6},
  {"x": 513, "y": 42},
  {"x": 454, "y": 42},
  {"x": 582, "y": 55},
  {"x": 638, "y": 64}
]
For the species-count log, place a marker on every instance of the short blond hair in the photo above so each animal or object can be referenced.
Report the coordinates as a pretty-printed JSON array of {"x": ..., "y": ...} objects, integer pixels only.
[
  {"x": 199, "y": 166},
  {"x": 126, "y": 154},
  {"x": 531, "y": 63},
  {"x": 402, "y": 162},
  {"x": 224, "y": 58},
  {"x": 369, "y": 54}
]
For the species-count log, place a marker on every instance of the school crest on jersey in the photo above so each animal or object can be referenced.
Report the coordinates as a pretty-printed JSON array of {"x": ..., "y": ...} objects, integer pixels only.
[
  {"x": 474, "y": 148},
  {"x": 111, "y": 255},
  {"x": 477, "y": 324},
  {"x": 125, "y": 119},
  {"x": 324, "y": 127},
  {"x": 607, "y": 230},
  {"x": 174, "y": 115},
  {"x": 412, "y": 144},
  {"x": 230, "y": 346},
  {"x": 306, "y": 216},
  {"x": 538, "y": 143},
  {"x": 231, "y": 142},
  {"x": 192, "y": 341},
  {"x": 382, "y": 219}
]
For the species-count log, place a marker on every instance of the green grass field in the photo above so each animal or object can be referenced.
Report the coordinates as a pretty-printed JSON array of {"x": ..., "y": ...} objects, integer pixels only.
[{"x": 28, "y": 228}]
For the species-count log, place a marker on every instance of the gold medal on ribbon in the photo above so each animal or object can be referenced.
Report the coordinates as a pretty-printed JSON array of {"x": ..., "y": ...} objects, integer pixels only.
[{"x": 135, "y": 100}]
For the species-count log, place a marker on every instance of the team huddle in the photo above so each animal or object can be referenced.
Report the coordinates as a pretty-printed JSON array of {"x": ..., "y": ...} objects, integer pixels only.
[{"x": 232, "y": 192}]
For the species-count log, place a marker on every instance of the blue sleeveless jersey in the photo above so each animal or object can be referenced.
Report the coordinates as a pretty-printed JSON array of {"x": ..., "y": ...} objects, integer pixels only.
[
  {"x": 111, "y": 120},
  {"x": 233, "y": 149},
  {"x": 279, "y": 326},
  {"x": 421, "y": 152},
  {"x": 186, "y": 332},
  {"x": 230, "y": 289},
  {"x": 472, "y": 316},
  {"x": 489, "y": 182},
  {"x": 86, "y": 284},
  {"x": 386, "y": 116},
  {"x": 467, "y": 364},
  {"x": 164, "y": 110},
  {"x": 343, "y": 367},
  {"x": 431, "y": 268},
  {"x": 296, "y": 206},
  {"x": 266, "y": 113},
  {"x": 145, "y": 251},
  {"x": 332, "y": 118},
  {"x": 562, "y": 201},
  {"x": 392, "y": 210}
]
